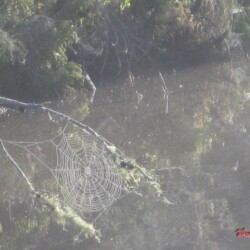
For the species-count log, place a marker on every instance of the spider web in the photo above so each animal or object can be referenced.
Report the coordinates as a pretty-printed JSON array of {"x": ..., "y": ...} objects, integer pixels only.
[{"x": 87, "y": 177}]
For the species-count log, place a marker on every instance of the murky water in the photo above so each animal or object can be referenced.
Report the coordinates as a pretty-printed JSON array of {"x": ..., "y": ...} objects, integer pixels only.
[{"x": 194, "y": 133}]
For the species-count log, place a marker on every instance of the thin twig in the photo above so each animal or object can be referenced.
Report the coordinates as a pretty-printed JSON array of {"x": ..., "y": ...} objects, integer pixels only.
[
  {"x": 17, "y": 166},
  {"x": 92, "y": 87},
  {"x": 166, "y": 92}
]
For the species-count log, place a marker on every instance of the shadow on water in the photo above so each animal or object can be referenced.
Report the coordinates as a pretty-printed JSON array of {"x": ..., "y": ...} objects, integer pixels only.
[{"x": 198, "y": 146}]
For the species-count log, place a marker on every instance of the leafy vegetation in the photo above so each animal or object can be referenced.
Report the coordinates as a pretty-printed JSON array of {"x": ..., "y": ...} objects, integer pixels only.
[{"x": 47, "y": 46}]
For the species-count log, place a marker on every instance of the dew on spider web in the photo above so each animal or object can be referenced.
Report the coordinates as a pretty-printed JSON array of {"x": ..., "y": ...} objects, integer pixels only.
[{"x": 87, "y": 178}]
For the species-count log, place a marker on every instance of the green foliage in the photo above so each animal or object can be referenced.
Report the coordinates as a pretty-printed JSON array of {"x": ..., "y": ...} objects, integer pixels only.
[
  {"x": 37, "y": 34},
  {"x": 125, "y": 4},
  {"x": 243, "y": 27},
  {"x": 50, "y": 42},
  {"x": 73, "y": 9},
  {"x": 74, "y": 71},
  {"x": 11, "y": 50}
]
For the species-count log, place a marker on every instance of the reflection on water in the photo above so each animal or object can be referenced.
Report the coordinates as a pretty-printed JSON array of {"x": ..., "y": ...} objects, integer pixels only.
[{"x": 199, "y": 150}]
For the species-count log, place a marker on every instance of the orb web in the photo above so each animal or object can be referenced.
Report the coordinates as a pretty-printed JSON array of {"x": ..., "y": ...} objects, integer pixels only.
[
  {"x": 88, "y": 177},
  {"x": 2, "y": 111}
]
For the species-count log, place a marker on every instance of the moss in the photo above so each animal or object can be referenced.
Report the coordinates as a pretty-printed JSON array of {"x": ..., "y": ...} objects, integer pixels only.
[
  {"x": 112, "y": 149},
  {"x": 66, "y": 217},
  {"x": 133, "y": 174}
]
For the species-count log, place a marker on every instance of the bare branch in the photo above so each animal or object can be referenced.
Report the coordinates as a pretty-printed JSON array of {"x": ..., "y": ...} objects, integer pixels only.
[{"x": 92, "y": 87}]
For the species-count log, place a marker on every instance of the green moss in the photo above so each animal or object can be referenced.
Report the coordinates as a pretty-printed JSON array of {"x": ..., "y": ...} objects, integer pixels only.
[
  {"x": 112, "y": 149},
  {"x": 66, "y": 217},
  {"x": 132, "y": 174}
]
